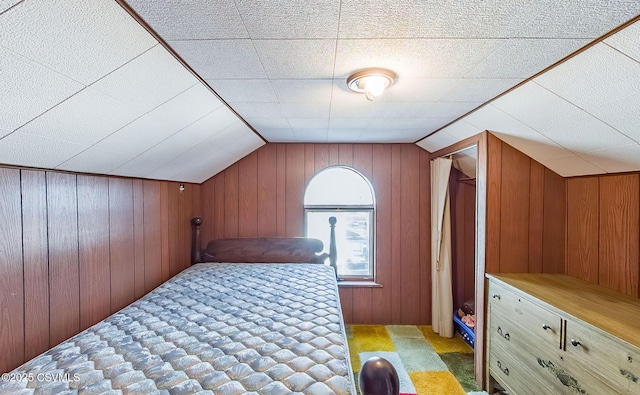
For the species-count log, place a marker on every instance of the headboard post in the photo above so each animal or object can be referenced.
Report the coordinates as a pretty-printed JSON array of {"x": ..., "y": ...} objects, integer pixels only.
[
  {"x": 195, "y": 240},
  {"x": 333, "y": 254}
]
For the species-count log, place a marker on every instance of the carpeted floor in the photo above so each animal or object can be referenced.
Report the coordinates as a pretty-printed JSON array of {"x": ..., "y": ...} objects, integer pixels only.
[{"x": 427, "y": 364}]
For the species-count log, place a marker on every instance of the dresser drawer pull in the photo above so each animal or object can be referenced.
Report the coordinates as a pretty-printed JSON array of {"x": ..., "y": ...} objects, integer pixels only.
[
  {"x": 496, "y": 296},
  {"x": 575, "y": 343},
  {"x": 545, "y": 327},
  {"x": 505, "y": 335},
  {"x": 505, "y": 370}
]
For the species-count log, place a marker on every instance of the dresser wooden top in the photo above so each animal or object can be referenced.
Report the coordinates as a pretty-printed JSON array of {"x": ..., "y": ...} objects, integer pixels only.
[{"x": 601, "y": 307}]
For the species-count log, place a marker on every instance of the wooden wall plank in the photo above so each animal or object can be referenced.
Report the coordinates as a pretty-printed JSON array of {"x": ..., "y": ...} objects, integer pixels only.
[
  {"x": 175, "y": 202},
  {"x": 334, "y": 154},
  {"x": 36, "y": 263},
  {"x": 64, "y": 291},
  {"x": 321, "y": 156},
  {"x": 267, "y": 194},
  {"x": 410, "y": 242},
  {"x": 381, "y": 180},
  {"x": 345, "y": 154},
  {"x": 93, "y": 249},
  {"x": 469, "y": 241},
  {"x": 138, "y": 237},
  {"x": 396, "y": 233},
  {"x": 536, "y": 215},
  {"x": 619, "y": 233},
  {"x": 231, "y": 201},
  {"x": 514, "y": 215},
  {"x": 152, "y": 235},
  {"x": 164, "y": 230},
  {"x": 12, "y": 331},
  {"x": 425, "y": 237},
  {"x": 554, "y": 227},
  {"x": 346, "y": 303},
  {"x": 219, "y": 202},
  {"x": 187, "y": 211},
  {"x": 207, "y": 205},
  {"x": 494, "y": 187},
  {"x": 295, "y": 183},
  {"x": 309, "y": 161},
  {"x": 248, "y": 196},
  {"x": 121, "y": 243},
  {"x": 281, "y": 189},
  {"x": 582, "y": 227}
]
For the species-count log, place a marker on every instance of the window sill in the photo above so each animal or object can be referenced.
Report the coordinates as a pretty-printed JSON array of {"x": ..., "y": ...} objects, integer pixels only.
[{"x": 356, "y": 284}]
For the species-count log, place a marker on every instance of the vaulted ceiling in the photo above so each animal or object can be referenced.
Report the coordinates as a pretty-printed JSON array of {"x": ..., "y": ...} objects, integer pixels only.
[{"x": 85, "y": 87}]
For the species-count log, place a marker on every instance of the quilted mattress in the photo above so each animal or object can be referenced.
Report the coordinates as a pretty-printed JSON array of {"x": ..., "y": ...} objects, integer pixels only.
[{"x": 216, "y": 328}]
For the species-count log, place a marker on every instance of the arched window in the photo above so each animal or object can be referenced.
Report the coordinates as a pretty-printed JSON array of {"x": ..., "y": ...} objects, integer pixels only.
[{"x": 346, "y": 194}]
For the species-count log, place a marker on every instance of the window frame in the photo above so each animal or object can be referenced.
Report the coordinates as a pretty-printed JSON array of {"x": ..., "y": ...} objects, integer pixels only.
[{"x": 366, "y": 208}]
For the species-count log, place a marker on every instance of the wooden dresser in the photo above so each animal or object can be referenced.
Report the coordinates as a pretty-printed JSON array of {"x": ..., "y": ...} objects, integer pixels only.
[{"x": 554, "y": 334}]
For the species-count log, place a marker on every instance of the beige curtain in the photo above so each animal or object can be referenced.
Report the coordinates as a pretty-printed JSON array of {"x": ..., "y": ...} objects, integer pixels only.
[{"x": 442, "y": 294}]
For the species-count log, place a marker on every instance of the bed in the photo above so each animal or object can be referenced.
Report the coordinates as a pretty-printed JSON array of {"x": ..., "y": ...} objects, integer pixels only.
[{"x": 255, "y": 315}]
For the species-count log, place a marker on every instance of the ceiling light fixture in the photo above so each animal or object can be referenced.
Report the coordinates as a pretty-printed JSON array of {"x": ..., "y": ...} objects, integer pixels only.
[{"x": 372, "y": 82}]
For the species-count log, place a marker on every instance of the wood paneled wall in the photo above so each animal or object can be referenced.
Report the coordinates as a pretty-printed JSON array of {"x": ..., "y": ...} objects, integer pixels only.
[
  {"x": 261, "y": 195},
  {"x": 603, "y": 230},
  {"x": 76, "y": 248},
  {"x": 526, "y": 213},
  {"x": 463, "y": 240}
]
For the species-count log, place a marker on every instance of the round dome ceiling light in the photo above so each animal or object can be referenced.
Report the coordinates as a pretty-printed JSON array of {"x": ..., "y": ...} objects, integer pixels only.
[{"x": 372, "y": 82}]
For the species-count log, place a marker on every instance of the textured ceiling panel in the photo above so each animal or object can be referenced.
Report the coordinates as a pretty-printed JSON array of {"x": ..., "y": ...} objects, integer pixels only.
[
  {"x": 84, "y": 40},
  {"x": 291, "y": 59},
  {"x": 85, "y": 118},
  {"x": 6, "y": 4},
  {"x": 580, "y": 18},
  {"x": 522, "y": 58},
  {"x": 623, "y": 114},
  {"x": 308, "y": 123},
  {"x": 221, "y": 59},
  {"x": 22, "y": 96},
  {"x": 570, "y": 166},
  {"x": 388, "y": 18},
  {"x": 278, "y": 135},
  {"x": 627, "y": 41},
  {"x": 211, "y": 124},
  {"x": 485, "y": 19},
  {"x": 136, "y": 83},
  {"x": 302, "y": 91},
  {"x": 615, "y": 160},
  {"x": 193, "y": 19},
  {"x": 479, "y": 90},
  {"x": 95, "y": 160},
  {"x": 268, "y": 123},
  {"x": 413, "y": 89},
  {"x": 290, "y": 19},
  {"x": 437, "y": 141},
  {"x": 305, "y": 110},
  {"x": 461, "y": 130},
  {"x": 581, "y": 79},
  {"x": 262, "y": 110},
  {"x": 4, "y": 132},
  {"x": 245, "y": 91},
  {"x": 21, "y": 148}
]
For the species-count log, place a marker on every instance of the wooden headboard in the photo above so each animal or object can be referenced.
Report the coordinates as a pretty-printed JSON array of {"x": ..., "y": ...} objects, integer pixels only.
[{"x": 262, "y": 249}]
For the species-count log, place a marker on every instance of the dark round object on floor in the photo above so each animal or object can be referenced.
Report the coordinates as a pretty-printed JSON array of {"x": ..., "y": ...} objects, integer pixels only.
[{"x": 378, "y": 377}]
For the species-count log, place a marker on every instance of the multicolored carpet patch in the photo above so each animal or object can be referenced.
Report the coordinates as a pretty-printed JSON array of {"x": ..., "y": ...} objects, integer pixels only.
[{"x": 427, "y": 364}]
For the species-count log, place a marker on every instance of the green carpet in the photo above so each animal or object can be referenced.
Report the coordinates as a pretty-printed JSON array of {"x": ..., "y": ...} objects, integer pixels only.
[{"x": 427, "y": 364}]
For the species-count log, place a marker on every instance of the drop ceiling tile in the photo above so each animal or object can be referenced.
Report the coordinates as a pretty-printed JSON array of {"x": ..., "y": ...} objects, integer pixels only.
[
  {"x": 414, "y": 58},
  {"x": 278, "y": 135},
  {"x": 390, "y": 136},
  {"x": 572, "y": 166},
  {"x": 522, "y": 58},
  {"x": 582, "y": 132},
  {"x": 95, "y": 160},
  {"x": 140, "y": 166},
  {"x": 622, "y": 114},
  {"x": 584, "y": 19},
  {"x": 245, "y": 91},
  {"x": 290, "y": 19},
  {"x": 534, "y": 145},
  {"x": 415, "y": 89},
  {"x": 24, "y": 149},
  {"x": 581, "y": 79},
  {"x": 615, "y": 160},
  {"x": 308, "y": 123},
  {"x": 147, "y": 81},
  {"x": 221, "y": 59},
  {"x": 426, "y": 124},
  {"x": 291, "y": 59},
  {"x": 211, "y": 124},
  {"x": 268, "y": 123},
  {"x": 258, "y": 110},
  {"x": 311, "y": 135},
  {"x": 85, "y": 118},
  {"x": 446, "y": 109},
  {"x": 212, "y": 165},
  {"x": 22, "y": 96},
  {"x": 192, "y": 20},
  {"x": 4, "y": 132},
  {"x": 529, "y": 101},
  {"x": 478, "y": 90},
  {"x": 461, "y": 130},
  {"x": 229, "y": 135},
  {"x": 246, "y": 144},
  {"x": 84, "y": 40},
  {"x": 627, "y": 41},
  {"x": 482, "y": 19},
  {"x": 437, "y": 141},
  {"x": 6, "y": 4},
  {"x": 187, "y": 107},
  {"x": 387, "y": 18},
  {"x": 343, "y": 135},
  {"x": 305, "y": 110},
  {"x": 302, "y": 91}
]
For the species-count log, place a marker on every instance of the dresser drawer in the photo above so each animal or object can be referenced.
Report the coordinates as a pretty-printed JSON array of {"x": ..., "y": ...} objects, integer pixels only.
[
  {"x": 542, "y": 325},
  {"x": 510, "y": 368},
  {"x": 617, "y": 362}
]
